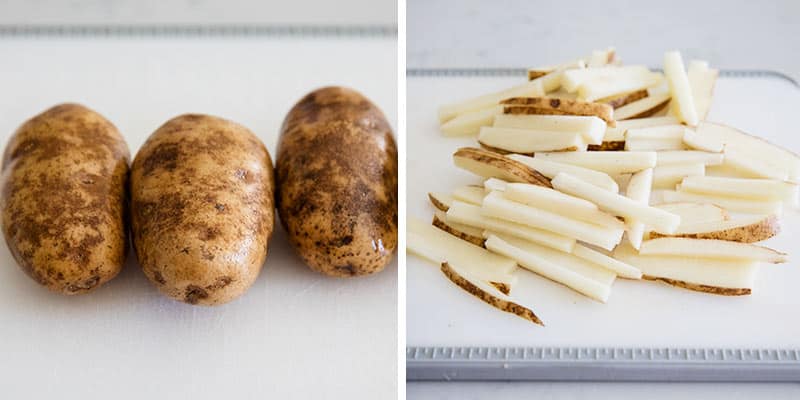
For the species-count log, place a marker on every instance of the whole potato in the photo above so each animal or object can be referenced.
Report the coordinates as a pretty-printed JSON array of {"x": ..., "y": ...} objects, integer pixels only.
[
  {"x": 64, "y": 193},
  {"x": 201, "y": 207},
  {"x": 336, "y": 172}
]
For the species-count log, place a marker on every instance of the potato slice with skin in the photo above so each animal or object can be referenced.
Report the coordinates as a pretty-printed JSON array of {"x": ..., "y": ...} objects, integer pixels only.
[
  {"x": 440, "y": 201},
  {"x": 688, "y": 157},
  {"x": 695, "y": 212},
  {"x": 616, "y": 204},
  {"x": 639, "y": 188},
  {"x": 698, "y": 142},
  {"x": 667, "y": 176},
  {"x": 536, "y": 73},
  {"x": 723, "y": 277},
  {"x": 623, "y": 270},
  {"x": 494, "y": 298},
  {"x": 679, "y": 87},
  {"x": 495, "y": 205},
  {"x": 617, "y": 133},
  {"x": 729, "y": 203},
  {"x": 470, "y": 123},
  {"x": 591, "y": 128},
  {"x": 612, "y": 162},
  {"x": 571, "y": 271},
  {"x": 550, "y": 169},
  {"x": 560, "y": 203},
  {"x": 450, "y": 111},
  {"x": 623, "y": 99},
  {"x": 600, "y": 88},
  {"x": 469, "y": 194},
  {"x": 555, "y": 106},
  {"x": 527, "y": 141},
  {"x": 643, "y": 108},
  {"x": 468, "y": 214},
  {"x": 617, "y": 145},
  {"x": 750, "y": 229},
  {"x": 463, "y": 232},
  {"x": 743, "y": 188},
  {"x": 711, "y": 248},
  {"x": 492, "y": 165},
  {"x": 437, "y": 246}
]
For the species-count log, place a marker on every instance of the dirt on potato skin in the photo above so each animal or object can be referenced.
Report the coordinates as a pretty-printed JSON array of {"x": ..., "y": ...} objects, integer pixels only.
[
  {"x": 64, "y": 199},
  {"x": 202, "y": 208},
  {"x": 336, "y": 176}
]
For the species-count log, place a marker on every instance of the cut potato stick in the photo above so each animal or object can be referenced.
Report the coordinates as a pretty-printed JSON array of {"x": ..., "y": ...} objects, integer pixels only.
[
  {"x": 701, "y": 80},
  {"x": 749, "y": 229},
  {"x": 698, "y": 142},
  {"x": 780, "y": 159},
  {"x": 527, "y": 141},
  {"x": 437, "y": 246},
  {"x": 550, "y": 169},
  {"x": 592, "y": 128},
  {"x": 743, "y": 188},
  {"x": 495, "y": 205},
  {"x": 623, "y": 270},
  {"x": 495, "y": 298},
  {"x": 616, "y": 162},
  {"x": 643, "y": 108},
  {"x": 470, "y": 123},
  {"x": 573, "y": 79},
  {"x": 623, "y": 99},
  {"x": 617, "y": 133},
  {"x": 469, "y": 230},
  {"x": 728, "y": 203},
  {"x": 440, "y": 200},
  {"x": 601, "y": 58},
  {"x": 533, "y": 88},
  {"x": 654, "y": 144},
  {"x": 743, "y": 162},
  {"x": 688, "y": 157},
  {"x": 548, "y": 105},
  {"x": 674, "y": 132},
  {"x": 471, "y": 215},
  {"x": 638, "y": 189},
  {"x": 711, "y": 248},
  {"x": 667, "y": 176},
  {"x": 617, "y": 204},
  {"x": 679, "y": 87},
  {"x": 492, "y": 165},
  {"x": 599, "y": 88},
  {"x": 459, "y": 231},
  {"x": 494, "y": 184},
  {"x": 564, "y": 268},
  {"x": 723, "y": 277},
  {"x": 695, "y": 212},
  {"x": 560, "y": 203},
  {"x": 469, "y": 194}
]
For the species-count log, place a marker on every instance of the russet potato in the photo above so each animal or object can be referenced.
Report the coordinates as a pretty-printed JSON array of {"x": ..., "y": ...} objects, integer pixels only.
[
  {"x": 336, "y": 175},
  {"x": 63, "y": 201}
]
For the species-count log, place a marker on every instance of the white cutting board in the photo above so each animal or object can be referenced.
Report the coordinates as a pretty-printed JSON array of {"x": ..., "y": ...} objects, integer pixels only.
[
  {"x": 295, "y": 334},
  {"x": 638, "y": 313}
]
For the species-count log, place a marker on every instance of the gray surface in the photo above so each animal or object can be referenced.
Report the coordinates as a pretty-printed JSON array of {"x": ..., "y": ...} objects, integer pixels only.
[
  {"x": 602, "y": 364},
  {"x": 599, "y": 390},
  {"x": 729, "y": 34}
]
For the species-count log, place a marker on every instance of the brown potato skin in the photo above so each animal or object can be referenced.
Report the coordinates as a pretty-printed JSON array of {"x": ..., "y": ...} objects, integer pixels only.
[
  {"x": 64, "y": 199},
  {"x": 336, "y": 175},
  {"x": 201, "y": 208}
]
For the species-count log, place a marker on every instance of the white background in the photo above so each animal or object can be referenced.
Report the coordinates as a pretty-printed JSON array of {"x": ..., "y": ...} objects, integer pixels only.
[{"x": 296, "y": 334}]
